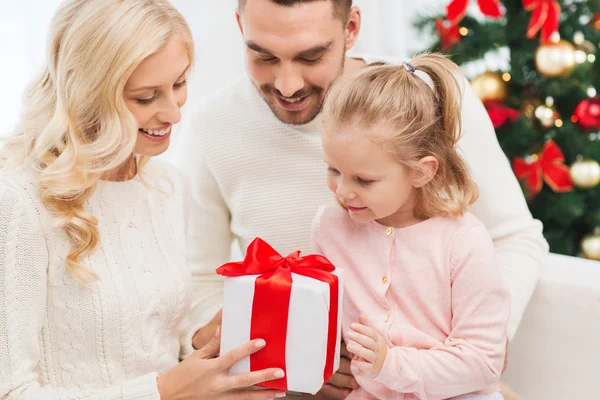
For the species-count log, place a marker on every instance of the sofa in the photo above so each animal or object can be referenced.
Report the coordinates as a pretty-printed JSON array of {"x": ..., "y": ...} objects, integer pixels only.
[{"x": 555, "y": 354}]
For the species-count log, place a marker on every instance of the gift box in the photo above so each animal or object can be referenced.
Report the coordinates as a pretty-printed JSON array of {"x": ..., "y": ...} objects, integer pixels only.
[{"x": 295, "y": 304}]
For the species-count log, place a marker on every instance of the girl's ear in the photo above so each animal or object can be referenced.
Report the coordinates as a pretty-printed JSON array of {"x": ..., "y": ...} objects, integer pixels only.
[{"x": 428, "y": 167}]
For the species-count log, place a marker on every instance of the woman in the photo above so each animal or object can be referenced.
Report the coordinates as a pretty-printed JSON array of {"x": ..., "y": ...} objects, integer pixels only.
[{"x": 94, "y": 286}]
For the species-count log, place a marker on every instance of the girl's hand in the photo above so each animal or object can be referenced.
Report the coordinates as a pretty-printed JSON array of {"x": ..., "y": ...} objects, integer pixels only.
[
  {"x": 369, "y": 347},
  {"x": 203, "y": 375},
  {"x": 204, "y": 335}
]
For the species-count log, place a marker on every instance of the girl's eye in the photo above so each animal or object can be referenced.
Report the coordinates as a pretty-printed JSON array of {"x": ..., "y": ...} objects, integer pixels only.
[{"x": 364, "y": 182}]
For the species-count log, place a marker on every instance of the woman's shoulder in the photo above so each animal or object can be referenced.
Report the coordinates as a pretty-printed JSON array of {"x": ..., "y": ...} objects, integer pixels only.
[
  {"x": 21, "y": 181},
  {"x": 19, "y": 195}
]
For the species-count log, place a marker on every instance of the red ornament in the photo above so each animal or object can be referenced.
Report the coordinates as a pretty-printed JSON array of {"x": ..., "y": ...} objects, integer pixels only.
[
  {"x": 456, "y": 10},
  {"x": 448, "y": 35},
  {"x": 500, "y": 114},
  {"x": 596, "y": 21},
  {"x": 587, "y": 114},
  {"x": 548, "y": 167},
  {"x": 544, "y": 17}
]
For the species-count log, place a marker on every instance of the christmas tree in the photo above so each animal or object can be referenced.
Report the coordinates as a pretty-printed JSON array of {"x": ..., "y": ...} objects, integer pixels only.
[{"x": 545, "y": 107}]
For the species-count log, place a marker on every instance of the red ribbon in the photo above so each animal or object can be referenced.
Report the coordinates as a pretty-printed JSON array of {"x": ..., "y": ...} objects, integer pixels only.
[
  {"x": 548, "y": 166},
  {"x": 545, "y": 16},
  {"x": 500, "y": 114},
  {"x": 270, "y": 307},
  {"x": 456, "y": 10},
  {"x": 448, "y": 35}
]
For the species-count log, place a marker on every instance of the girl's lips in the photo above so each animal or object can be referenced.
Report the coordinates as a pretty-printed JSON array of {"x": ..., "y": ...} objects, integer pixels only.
[{"x": 356, "y": 209}]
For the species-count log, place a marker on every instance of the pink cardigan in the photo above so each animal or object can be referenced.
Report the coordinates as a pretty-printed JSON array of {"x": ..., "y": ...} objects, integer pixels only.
[{"x": 434, "y": 290}]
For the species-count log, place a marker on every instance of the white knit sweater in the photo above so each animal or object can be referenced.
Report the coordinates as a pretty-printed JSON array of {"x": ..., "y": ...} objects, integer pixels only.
[
  {"x": 253, "y": 175},
  {"x": 108, "y": 340}
]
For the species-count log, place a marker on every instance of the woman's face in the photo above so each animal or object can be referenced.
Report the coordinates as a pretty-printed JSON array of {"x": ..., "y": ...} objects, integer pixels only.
[{"x": 154, "y": 94}]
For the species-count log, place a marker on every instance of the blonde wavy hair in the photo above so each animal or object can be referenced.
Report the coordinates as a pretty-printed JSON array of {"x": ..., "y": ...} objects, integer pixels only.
[
  {"x": 426, "y": 121},
  {"x": 75, "y": 124}
]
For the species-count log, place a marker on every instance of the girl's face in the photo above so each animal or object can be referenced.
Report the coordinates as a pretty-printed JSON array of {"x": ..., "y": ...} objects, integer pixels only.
[
  {"x": 366, "y": 178},
  {"x": 154, "y": 94}
]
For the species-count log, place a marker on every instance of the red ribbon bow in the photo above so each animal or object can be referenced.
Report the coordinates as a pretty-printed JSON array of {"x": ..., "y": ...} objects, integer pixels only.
[
  {"x": 448, "y": 35},
  {"x": 548, "y": 166},
  {"x": 545, "y": 16},
  {"x": 500, "y": 114},
  {"x": 271, "y": 302},
  {"x": 456, "y": 10}
]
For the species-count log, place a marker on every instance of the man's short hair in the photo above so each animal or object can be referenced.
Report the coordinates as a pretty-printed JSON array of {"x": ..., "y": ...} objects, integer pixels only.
[{"x": 341, "y": 8}]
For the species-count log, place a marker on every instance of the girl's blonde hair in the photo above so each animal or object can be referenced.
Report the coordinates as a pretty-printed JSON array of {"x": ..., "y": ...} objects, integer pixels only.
[
  {"x": 75, "y": 124},
  {"x": 425, "y": 121}
]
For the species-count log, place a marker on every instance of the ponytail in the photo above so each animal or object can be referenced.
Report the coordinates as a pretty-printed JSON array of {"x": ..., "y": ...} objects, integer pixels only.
[{"x": 421, "y": 100}]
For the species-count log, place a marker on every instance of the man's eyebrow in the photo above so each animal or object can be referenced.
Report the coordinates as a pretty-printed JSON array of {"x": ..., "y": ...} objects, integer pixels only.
[
  {"x": 259, "y": 49},
  {"x": 304, "y": 53},
  {"x": 315, "y": 50}
]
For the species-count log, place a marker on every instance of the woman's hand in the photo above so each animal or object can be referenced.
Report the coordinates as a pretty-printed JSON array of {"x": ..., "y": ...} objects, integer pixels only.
[
  {"x": 369, "y": 346},
  {"x": 203, "y": 375}
]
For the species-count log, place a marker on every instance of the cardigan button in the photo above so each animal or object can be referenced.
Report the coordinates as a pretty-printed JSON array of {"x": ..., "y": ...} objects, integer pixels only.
[{"x": 388, "y": 231}]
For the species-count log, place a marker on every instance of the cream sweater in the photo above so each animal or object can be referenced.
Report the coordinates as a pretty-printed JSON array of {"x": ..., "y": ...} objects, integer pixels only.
[
  {"x": 108, "y": 340},
  {"x": 253, "y": 175}
]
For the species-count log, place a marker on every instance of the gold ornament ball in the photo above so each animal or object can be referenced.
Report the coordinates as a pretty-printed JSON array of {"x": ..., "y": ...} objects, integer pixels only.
[
  {"x": 546, "y": 115},
  {"x": 529, "y": 106},
  {"x": 490, "y": 86},
  {"x": 554, "y": 60},
  {"x": 590, "y": 246},
  {"x": 585, "y": 174}
]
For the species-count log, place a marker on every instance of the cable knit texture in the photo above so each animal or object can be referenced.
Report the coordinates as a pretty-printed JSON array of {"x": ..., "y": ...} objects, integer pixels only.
[
  {"x": 253, "y": 175},
  {"x": 60, "y": 339}
]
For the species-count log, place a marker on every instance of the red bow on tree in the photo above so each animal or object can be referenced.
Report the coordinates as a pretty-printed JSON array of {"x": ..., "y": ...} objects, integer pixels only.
[
  {"x": 545, "y": 16},
  {"x": 456, "y": 10},
  {"x": 448, "y": 35},
  {"x": 548, "y": 166},
  {"x": 500, "y": 114}
]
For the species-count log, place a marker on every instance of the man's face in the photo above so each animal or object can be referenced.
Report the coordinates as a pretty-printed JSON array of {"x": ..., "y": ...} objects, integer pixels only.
[{"x": 295, "y": 53}]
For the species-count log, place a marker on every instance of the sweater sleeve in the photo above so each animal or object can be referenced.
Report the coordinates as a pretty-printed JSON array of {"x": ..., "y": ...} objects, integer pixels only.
[
  {"x": 208, "y": 232},
  {"x": 472, "y": 356},
  {"x": 518, "y": 239},
  {"x": 23, "y": 278}
]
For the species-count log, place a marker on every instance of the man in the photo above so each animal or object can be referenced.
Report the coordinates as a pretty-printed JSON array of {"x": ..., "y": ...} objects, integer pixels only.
[{"x": 254, "y": 156}]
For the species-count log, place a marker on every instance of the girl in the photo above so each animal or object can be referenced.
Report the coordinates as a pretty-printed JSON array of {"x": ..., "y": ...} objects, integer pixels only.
[
  {"x": 94, "y": 284},
  {"x": 425, "y": 310}
]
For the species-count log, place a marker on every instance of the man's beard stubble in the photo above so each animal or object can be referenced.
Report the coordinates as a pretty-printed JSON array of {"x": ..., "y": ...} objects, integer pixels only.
[{"x": 268, "y": 91}]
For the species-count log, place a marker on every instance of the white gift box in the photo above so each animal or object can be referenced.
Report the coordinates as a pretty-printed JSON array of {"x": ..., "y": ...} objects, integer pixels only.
[{"x": 307, "y": 330}]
